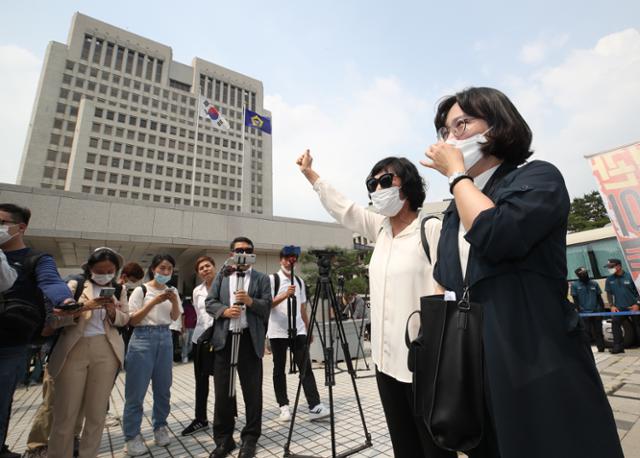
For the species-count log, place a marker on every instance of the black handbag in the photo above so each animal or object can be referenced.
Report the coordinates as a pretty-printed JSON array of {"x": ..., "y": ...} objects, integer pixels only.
[{"x": 447, "y": 364}]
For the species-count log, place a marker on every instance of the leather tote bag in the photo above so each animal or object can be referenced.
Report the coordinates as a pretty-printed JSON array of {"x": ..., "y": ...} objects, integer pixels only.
[{"x": 447, "y": 364}]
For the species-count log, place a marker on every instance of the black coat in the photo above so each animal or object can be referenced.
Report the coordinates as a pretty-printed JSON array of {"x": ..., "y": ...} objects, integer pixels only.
[{"x": 543, "y": 392}]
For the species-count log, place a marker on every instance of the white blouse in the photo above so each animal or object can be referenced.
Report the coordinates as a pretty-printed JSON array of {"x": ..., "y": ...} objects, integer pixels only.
[
  {"x": 399, "y": 274},
  {"x": 205, "y": 321},
  {"x": 160, "y": 314}
]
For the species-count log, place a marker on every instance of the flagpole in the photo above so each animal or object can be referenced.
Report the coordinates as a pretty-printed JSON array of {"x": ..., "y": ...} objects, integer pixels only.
[
  {"x": 244, "y": 152},
  {"x": 195, "y": 152}
]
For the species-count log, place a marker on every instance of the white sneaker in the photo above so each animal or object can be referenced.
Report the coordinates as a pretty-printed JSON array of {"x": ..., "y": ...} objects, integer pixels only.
[
  {"x": 285, "y": 415},
  {"x": 111, "y": 420},
  {"x": 135, "y": 446},
  {"x": 318, "y": 412},
  {"x": 185, "y": 360},
  {"x": 162, "y": 436}
]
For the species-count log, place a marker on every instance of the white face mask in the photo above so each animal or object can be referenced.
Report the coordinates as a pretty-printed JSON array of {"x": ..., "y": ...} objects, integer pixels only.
[
  {"x": 387, "y": 202},
  {"x": 102, "y": 279},
  {"x": 4, "y": 234},
  {"x": 471, "y": 149},
  {"x": 133, "y": 284},
  {"x": 612, "y": 270}
]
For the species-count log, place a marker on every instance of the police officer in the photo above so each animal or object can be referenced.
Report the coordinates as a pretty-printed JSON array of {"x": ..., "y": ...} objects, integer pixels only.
[
  {"x": 622, "y": 296},
  {"x": 587, "y": 296}
]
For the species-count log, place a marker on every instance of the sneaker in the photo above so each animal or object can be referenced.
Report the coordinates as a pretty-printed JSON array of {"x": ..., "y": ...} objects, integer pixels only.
[
  {"x": 111, "y": 420},
  {"x": 135, "y": 447},
  {"x": 39, "y": 452},
  {"x": 185, "y": 360},
  {"x": 285, "y": 414},
  {"x": 318, "y": 412},
  {"x": 194, "y": 427},
  {"x": 161, "y": 436}
]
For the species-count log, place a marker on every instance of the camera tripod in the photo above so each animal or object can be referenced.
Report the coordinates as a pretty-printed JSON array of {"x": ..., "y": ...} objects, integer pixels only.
[{"x": 325, "y": 300}]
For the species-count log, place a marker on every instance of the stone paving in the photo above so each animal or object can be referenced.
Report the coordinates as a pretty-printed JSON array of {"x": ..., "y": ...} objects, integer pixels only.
[{"x": 620, "y": 374}]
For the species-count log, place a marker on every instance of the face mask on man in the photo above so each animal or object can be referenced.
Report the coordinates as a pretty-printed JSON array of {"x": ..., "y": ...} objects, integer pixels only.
[
  {"x": 471, "y": 148},
  {"x": 102, "y": 279},
  {"x": 387, "y": 201},
  {"x": 612, "y": 270},
  {"x": 4, "y": 234}
]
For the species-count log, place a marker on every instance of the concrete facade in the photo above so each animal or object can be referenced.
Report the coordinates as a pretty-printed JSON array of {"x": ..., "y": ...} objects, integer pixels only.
[
  {"x": 70, "y": 225},
  {"x": 115, "y": 116}
]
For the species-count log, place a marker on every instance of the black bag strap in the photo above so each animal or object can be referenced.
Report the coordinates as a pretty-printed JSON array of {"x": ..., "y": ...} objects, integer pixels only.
[
  {"x": 423, "y": 236},
  {"x": 407, "y": 340},
  {"x": 276, "y": 282}
]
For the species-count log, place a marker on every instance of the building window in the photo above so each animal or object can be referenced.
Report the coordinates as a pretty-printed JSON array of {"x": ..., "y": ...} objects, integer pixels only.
[
  {"x": 108, "y": 55},
  {"x": 88, "y": 174},
  {"x": 86, "y": 47},
  {"x": 97, "y": 51}
]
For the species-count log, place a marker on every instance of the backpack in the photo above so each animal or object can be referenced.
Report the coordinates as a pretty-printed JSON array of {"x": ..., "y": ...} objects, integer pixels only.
[
  {"x": 276, "y": 282},
  {"x": 21, "y": 320}
]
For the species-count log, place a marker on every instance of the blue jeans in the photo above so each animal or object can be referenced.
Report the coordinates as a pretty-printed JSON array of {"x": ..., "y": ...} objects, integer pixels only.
[
  {"x": 13, "y": 362},
  {"x": 187, "y": 335},
  {"x": 149, "y": 359}
]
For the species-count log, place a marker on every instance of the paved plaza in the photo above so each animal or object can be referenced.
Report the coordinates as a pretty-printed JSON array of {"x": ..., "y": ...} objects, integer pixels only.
[{"x": 620, "y": 374}]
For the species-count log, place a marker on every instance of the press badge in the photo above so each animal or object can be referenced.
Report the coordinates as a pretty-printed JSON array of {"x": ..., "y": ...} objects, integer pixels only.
[{"x": 449, "y": 295}]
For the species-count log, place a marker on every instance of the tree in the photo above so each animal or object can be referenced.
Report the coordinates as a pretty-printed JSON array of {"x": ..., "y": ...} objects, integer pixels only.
[{"x": 587, "y": 212}]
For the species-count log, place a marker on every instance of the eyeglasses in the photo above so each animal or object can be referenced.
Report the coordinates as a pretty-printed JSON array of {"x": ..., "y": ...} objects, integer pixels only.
[
  {"x": 385, "y": 180},
  {"x": 457, "y": 128},
  {"x": 6, "y": 221},
  {"x": 243, "y": 250}
]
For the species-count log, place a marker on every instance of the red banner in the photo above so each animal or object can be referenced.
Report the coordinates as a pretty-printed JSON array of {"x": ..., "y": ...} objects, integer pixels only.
[{"x": 618, "y": 175}]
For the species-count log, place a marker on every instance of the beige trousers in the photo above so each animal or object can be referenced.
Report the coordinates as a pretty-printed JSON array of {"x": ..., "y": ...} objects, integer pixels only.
[{"x": 85, "y": 382}]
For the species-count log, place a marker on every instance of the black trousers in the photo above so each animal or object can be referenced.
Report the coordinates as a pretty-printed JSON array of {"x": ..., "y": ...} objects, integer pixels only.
[
  {"x": 250, "y": 375},
  {"x": 593, "y": 328},
  {"x": 409, "y": 435},
  {"x": 279, "y": 349},
  {"x": 202, "y": 369},
  {"x": 616, "y": 329}
]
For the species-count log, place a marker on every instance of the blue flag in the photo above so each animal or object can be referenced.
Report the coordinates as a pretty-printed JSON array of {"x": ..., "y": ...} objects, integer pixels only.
[{"x": 253, "y": 119}]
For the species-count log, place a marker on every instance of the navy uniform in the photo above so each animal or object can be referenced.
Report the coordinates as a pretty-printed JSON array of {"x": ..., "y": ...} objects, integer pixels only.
[
  {"x": 622, "y": 294},
  {"x": 587, "y": 296}
]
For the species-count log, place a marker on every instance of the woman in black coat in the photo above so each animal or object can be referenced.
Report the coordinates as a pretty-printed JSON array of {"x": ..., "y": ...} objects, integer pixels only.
[{"x": 506, "y": 229}]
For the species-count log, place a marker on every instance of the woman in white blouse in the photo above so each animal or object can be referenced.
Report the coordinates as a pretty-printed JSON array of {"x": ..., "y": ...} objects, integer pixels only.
[
  {"x": 153, "y": 306},
  {"x": 399, "y": 274}
]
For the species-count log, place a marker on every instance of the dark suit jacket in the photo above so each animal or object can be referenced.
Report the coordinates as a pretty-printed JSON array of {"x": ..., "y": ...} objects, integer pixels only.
[
  {"x": 257, "y": 314},
  {"x": 543, "y": 390}
]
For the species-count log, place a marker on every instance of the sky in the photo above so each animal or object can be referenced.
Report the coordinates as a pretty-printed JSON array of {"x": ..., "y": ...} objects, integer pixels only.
[{"x": 356, "y": 81}]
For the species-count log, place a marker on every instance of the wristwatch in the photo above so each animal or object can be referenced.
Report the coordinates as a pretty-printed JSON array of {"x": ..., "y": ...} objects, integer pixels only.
[{"x": 455, "y": 177}]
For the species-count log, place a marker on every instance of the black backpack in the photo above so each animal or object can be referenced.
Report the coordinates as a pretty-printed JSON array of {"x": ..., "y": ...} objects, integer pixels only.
[{"x": 21, "y": 320}]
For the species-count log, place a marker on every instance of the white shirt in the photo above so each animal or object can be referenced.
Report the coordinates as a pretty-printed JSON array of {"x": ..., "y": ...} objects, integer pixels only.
[
  {"x": 95, "y": 324},
  {"x": 160, "y": 314},
  {"x": 463, "y": 246},
  {"x": 204, "y": 320},
  {"x": 399, "y": 274},
  {"x": 278, "y": 319},
  {"x": 233, "y": 286},
  {"x": 8, "y": 274}
]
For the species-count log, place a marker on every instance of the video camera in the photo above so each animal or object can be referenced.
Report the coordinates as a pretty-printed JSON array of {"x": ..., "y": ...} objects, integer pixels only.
[
  {"x": 241, "y": 261},
  {"x": 291, "y": 250}
]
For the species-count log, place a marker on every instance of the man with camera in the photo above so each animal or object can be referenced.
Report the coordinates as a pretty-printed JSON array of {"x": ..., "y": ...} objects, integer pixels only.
[{"x": 239, "y": 301}]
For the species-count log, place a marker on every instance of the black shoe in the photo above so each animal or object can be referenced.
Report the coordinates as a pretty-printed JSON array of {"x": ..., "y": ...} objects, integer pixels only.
[
  {"x": 223, "y": 450},
  {"x": 601, "y": 350},
  {"x": 247, "y": 451},
  {"x": 76, "y": 446},
  {"x": 6, "y": 453},
  {"x": 615, "y": 351},
  {"x": 194, "y": 427}
]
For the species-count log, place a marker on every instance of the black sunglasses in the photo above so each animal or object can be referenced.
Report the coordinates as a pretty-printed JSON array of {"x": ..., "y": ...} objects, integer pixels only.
[
  {"x": 385, "y": 182},
  {"x": 243, "y": 250}
]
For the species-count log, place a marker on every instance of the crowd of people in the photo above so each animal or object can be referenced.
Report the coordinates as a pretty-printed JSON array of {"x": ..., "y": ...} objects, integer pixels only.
[{"x": 501, "y": 244}]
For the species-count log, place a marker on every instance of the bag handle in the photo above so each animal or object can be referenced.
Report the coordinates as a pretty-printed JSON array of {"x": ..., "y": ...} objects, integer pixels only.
[{"x": 407, "y": 341}]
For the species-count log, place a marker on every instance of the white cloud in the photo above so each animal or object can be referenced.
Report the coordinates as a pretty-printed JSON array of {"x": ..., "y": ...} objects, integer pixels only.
[
  {"x": 19, "y": 72},
  {"x": 586, "y": 104},
  {"x": 345, "y": 138},
  {"x": 536, "y": 51}
]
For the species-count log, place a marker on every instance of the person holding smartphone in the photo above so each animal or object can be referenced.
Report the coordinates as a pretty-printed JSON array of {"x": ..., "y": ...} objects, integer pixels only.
[
  {"x": 153, "y": 305},
  {"x": 87, "y": 356}
]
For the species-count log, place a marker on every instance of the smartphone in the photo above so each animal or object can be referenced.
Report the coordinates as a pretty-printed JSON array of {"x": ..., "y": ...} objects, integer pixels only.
[{"x": 107, "y": 292}]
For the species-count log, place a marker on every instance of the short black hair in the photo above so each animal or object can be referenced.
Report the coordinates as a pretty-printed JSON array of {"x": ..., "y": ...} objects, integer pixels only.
[
  {"x": 157, "y": 260},
  {"x": 18, "y": 213},
  {"x": 510, "y": 136},
  {"x": 413, "y": 185},
  {"x": 580, "y": 269},
  {"x": 99, "y": 255},
  {"x": 241, "y": 239}
]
